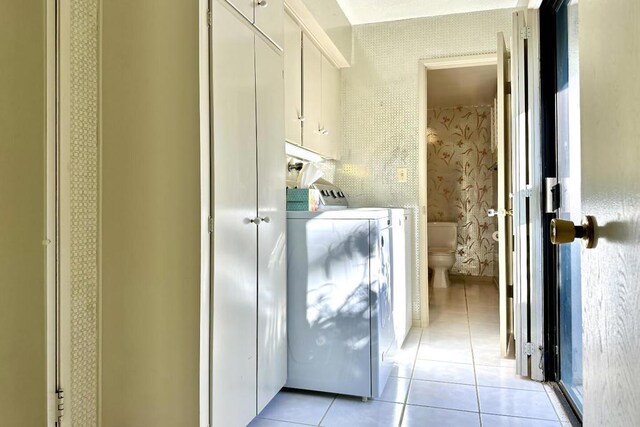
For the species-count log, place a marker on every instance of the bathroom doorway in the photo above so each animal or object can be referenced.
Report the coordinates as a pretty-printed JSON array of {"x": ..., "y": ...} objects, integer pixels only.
[{"x": 466, "y": 182}]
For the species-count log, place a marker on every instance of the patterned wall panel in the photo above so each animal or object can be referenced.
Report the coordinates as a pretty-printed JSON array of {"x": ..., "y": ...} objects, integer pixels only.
[
  {"x": 380, "y": 102},
  {"x": 84, "y": 211},
  {"x": 460, "y": 188}
]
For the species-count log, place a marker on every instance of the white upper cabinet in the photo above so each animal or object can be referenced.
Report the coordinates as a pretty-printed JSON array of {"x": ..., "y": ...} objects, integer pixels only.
[
  {"x": 312, "y": 97},
  {"x": 293, "y": 81},
  {"x": 266, "y": 15},
  {"x": 245, "y": 7},
  {"x": 331, "y": 128},
  {"x": 268, "y": 18},
  {"x": 322, "y": 130}
]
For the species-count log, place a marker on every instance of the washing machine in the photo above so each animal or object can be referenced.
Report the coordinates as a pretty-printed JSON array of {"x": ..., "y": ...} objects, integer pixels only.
[{"x": 341, "y": 335}]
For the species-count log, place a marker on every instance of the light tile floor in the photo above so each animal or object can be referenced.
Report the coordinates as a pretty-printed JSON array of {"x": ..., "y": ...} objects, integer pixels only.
[{"x": 449, "y": 374}]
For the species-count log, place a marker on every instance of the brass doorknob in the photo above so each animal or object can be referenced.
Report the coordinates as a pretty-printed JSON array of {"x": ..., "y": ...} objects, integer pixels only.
[{"x": 563, "y": 231}]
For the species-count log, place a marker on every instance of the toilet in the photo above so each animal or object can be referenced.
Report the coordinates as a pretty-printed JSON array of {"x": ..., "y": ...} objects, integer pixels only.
[{"x": 443, "y": 238}]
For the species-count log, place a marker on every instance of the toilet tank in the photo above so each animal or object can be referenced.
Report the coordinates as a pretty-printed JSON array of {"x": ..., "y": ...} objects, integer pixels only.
[{"x": 442, "y": 235}]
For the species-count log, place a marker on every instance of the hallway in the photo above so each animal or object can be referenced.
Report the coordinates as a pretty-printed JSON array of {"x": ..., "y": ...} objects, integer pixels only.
[{"x": 449, "y": 374}]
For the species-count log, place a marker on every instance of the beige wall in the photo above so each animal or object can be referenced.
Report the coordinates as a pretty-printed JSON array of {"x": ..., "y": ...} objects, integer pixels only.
[
  {"x": 22, "y": 213},
  {"x": 150, "y": 213}
]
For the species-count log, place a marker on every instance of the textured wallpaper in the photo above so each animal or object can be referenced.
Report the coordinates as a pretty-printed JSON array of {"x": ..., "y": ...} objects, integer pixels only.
[
  {"x": 84, "y": 211},
  {"x": 380, "y": 102},
  {"x": 460, "y": 183}
]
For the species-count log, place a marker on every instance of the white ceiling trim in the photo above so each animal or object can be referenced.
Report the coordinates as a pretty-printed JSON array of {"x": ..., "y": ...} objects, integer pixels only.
[{"x": 371, "y": 11}]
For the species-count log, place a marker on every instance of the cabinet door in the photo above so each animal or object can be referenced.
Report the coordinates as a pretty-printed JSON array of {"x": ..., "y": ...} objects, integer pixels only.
[
  {"x": 245, "y": 7},
  {"x": 292, "y": 81},
  {"x": 234, "y": 196},
  {"x": 272, "y": 256},
  {"x": 269, "y": 16},
  {"x": 311, "y": 96},
  {"x": 331, "y": 129}
]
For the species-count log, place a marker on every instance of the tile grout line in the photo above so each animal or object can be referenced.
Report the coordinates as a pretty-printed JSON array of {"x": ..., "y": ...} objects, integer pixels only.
[
  {"x": 413, "y": 369},
  {"x": 473, "y": 356},
  {"x": 327, "y": 411}
]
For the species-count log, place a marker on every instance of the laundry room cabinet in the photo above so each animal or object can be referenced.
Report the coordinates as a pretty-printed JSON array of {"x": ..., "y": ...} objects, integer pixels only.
[
  {"x": 322, "y": 131},
  {"x": 330, "y": 114},
  {"x": 266, "y": 15},
  {"x": 293, "y": 81},
  {"x": 312, "y": 100},
  {"x": 248, "y": 353}
]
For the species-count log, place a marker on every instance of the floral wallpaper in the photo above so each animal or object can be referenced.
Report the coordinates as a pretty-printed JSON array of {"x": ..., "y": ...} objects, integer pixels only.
[{"x": 461, "y": 183}]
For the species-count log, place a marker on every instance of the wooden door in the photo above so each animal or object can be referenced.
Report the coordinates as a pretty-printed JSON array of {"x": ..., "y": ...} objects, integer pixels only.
[
  {"x": 331, "y": 126},
  {"x": 292, "y": 81},
  {"x": 609, "y": 91},
  {"x": 312, "y": 96},
  {"x": 269, "y": 17},
  {"x": 234, "y": 262},
  {"x": 272, "y": 255},
  {"x": 504, "y": 201}
]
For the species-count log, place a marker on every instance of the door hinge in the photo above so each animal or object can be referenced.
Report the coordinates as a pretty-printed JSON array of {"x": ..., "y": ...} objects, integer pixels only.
[
  {"x": 210, "y": 224},
  {"x": 525, "y": 32},
  {"x": 527, "y": 192},
  {"x": 529, "y": 349},
  {"x": 59, "y": 405},
  {"x": 209, "y": 18}
]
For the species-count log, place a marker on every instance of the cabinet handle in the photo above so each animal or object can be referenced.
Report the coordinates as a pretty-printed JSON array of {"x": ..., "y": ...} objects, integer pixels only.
[
  {"x": 323, "y": 131},
  {"x": 300, "y": 118},
  {"x": 265, "y": 219},
  {"x": 255, "y": 221},
  {"x": 262, "y": 3}
]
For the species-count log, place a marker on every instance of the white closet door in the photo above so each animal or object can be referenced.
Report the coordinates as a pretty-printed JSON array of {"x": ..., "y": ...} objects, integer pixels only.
[
  {"x": 234, "y": 237},
  {"x": 293, "y": 81},
  {"x": 272, "y": 255},
  {"x": 311, "y": 96},
  {"x": 245, "y": 7},
  {"x": 269, "y": 17}
]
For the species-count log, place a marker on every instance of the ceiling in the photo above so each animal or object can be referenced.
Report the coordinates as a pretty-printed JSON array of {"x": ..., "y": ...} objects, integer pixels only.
[
  {"x": 369, "y": 11},
  {"x": 466, "y": 86}
]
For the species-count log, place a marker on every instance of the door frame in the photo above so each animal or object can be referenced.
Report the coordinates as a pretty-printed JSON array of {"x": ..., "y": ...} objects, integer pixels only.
[
  {"x": 206, "y": 314},
  {"x": 424, "y": 65},
  {"x": 549, "y": 165},
  {"x": 527, "y": 194},
  {"x": 51, "y": 191},
  {"x": 548, "y": 54}
]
